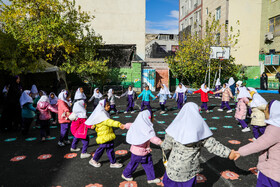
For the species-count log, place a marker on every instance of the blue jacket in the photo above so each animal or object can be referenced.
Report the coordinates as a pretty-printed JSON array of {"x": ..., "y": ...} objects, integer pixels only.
[
  {"x": 146, "y": 95},
  {"x": 28, "y": 111}
]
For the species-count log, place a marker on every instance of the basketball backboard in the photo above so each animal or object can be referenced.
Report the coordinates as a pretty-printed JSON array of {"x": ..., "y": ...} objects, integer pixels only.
[{"x": 219, "y": 52}]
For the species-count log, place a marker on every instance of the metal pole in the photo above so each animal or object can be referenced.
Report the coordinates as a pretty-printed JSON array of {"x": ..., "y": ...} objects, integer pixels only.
[
  {"x": 215, "y": 79},
  {"x": 220, "y": 69},
  {"x": 209, "y": 73}
]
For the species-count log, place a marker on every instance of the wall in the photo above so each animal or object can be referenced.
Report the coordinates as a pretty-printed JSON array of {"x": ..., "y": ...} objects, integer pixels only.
[
  {"x": 119, "y": 21},
  {"x": 162, "y": 77}
]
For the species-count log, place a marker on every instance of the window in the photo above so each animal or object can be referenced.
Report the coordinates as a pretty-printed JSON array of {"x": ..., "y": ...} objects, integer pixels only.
[
  {"x": 187, "y": 6},
  {"x": 218, "y": 38},
  {"x": 274, "y": 25},
  {"x": 161, "y": 49},
  {"x": 218, "y": 13},
  {"x": 191, "y": 21},
  {"x": 182, "y": 10},
  {"x": 190, "y": 5},
  {"x": 207, "y": 11},
  {"x": 182, "y": 26},
  {"x": 171, "y": 37}
]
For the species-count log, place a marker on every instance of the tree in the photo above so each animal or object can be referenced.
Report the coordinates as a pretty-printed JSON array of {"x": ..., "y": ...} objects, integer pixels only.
[{"x": 191, "y": 59}]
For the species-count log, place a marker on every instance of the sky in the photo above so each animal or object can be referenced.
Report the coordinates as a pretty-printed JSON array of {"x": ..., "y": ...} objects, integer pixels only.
[{"x": 162, "y": 16}]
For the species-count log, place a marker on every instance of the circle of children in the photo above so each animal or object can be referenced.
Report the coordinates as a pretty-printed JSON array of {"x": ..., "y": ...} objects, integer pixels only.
[{"x": 184, "y": 137}]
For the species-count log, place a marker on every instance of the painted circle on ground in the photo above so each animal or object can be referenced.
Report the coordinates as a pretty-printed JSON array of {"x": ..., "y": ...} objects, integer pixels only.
[
  {"x": 154, "y": 109},
  {"x": 213, "y": 105},
  {"x": 174, "y": 108},
  {"x": 94, "y": 185},
  {"x": 128, "y": 184},
  {"x": 229, "y": 175},
  {"x": 161, "y": 183},
  {"x": 155, "y": 115},
  {"x": 89, "y": 112},
  {"x": 210, "y": 110},
  {"x": 91, "y": 136},
  {"x": 123, "y": 134},
  {"x": 44, "y": 157},
  {"x": 200, "y": 112},
  {"x": 30, "y": 139},
  {"x": 128, "y": 116},
  {"x": 70, "y": 137},
  {"x": 228, "y": 116},
  {"x": 10, "y": 139},
  {"x": 251, "y": 139},
  {"x": 121, "y": 111},
  {"x": 215, "y": 117},
  {"x": 53, "y": 127},
  {"x": 51, "y": 138},
  {"x": 234, "y": 142},
  {"x": 161, "y": 132},
  {"x": 36, "y": 127},
  {"x": 204, "y": 119},
  {"x": 164, "y": 114},
  {"x": 18, "y": 158},
  {"x": 161, "y": 122},
  {"x": 254, "y": 170},
  {"x": 200, "y": 178},
  {"x": 70, "y": 155},
  {"x": 121, "y": 152},
  {"x": 239, "y": 125},
  {"x": 213, "y": 128},
  {"x": 175, "y": 114},
  {"x": 116, "y": 117},
  {"x": 227, "y": 127},
  {"x": 232, "y": 103}
]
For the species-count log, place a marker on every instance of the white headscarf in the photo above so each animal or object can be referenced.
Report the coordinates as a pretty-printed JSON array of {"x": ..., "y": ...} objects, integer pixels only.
[
  {"x": 44, "y": 98},
  {"x": 25, "y": 98},
  {"x": 130, "y": 92},
  {"x": 43, "y": 92},
  {"x": 141, "y": 130},
  {"x": 257, "y": 101},
  {"x": 164, "y": 90},
  {"x": 34, "y": 89},
  {"x": 253, "y": 89},
  {"x": 97, "y": 95},
  {"x": 243, "y": 92},
  {"x": 63, "y": 96},
  {"x": 223, "y": 89},
  {"x": 205, "y": 90},
  {"x": 98, "y": 115},
  {"x": 79, "y": 95},
  {"x": 53, "y": 101},
  {"x": 218, "y": 82},
  {"x": 5, "y": 89},
  {"x": 231, "y": 81},
  {"x": 110, "y": 92},
  {"x": 274, "y": 114},
  {"x": 188, "y": 126},
  {"x": 181, "y": 90},
  {"x": 79, "y": 109},
  {"x": 239, "y": 83}
]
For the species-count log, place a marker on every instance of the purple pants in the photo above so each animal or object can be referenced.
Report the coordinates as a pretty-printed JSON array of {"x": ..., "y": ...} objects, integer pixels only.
[
  {"x": 44, "y": 128},
  {"x": 225, "y": 103},
  {"x": 109, "y": 146},
  {"x": 168, "y": 182},
  {"x": 180, "y": 100},
  {"x": 147, "y": 104},
  {"x": 243, "y": 123},
  {"x": 113, "y": 107},
  {"x": 146, "y": 162},
  {"x": 84, "y": 141},
  {"x": 64, "y": 131},
  {"x": 204, "y": 105},
  {"x": 216, "y": 89},
  {"x": 258, "y": 131},
  {"x": 264, "y": 181},
  {"x": 130, "y": 103},
  {"x": 26, "y": 122}
]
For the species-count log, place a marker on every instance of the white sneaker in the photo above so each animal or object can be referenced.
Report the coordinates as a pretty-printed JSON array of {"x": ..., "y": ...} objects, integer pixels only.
[
  {"x": 67, "y": 142},
  {"x": 125, "y": 112},
  {"x": 61, "y": 144},
  {"x": 85, "y": 155},
  {"x": 207, "y": 111},
  {"x": 220, "y": 110},
  {"x": 116, "y": 165},
  {"x": 127, "y": 179},
  {"x": 75, "y": 150},
  {"x": 229, "y": 111},
  {"x": 254, "y": 139},
  {"x": 133, "y": 112},
  {"x": 154, "y": 181},
  {"x": 247, "y": 129},
  {"x": 94, "y": 163},
  {"x": 162, "y": 112}
]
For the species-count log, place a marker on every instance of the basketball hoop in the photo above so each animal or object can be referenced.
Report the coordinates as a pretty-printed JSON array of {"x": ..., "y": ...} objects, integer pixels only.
[{"x": 221, "y": 58}]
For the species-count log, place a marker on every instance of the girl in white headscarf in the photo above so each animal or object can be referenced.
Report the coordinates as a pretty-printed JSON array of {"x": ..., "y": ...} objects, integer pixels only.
[
  {"x": 180, "y": 95},
  {"x": 96, "y": 97},
  {"x": 53, "y": 101},
  {"x": 163, "y": 94},
  {"x": 112, "y": 100},
  {"x": 217, "y": 87},
  {"x": 268, "y": 147},
  {"x": 34, "y": 91},
  {"x": 204, "y": 91},
  {"x": 231, "y": 85},
  {"x": 79, "y": 129},
  {"x": 185, "y": 137},
  {"x": 100, "y": 120},
  {"x": 139, "y": 135},
  {"x": 27, "y": 111},
  {"x": 131, "y": 97},
  {"x": 80, "y": 95},
  {"x": 226, "y": 95}
]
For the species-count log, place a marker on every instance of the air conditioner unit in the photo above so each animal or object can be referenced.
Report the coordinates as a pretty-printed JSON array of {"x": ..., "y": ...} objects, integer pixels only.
[
  {"x": 267, "y": 61},
  {"x": 269, "y": 36},
  {"x": 275, "y": 60}
]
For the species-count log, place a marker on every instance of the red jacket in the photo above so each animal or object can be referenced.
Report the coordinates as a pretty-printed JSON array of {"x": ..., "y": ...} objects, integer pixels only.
[
  {"x": 204, "y": 96},
  {"x": 63, "y": 108},
  {"x": 79, "y": 129},
  {"x": 45, "y": 108}
]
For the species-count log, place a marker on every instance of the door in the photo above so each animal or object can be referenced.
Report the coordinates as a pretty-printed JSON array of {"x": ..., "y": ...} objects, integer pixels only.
[{"x": 149, "y": 77}]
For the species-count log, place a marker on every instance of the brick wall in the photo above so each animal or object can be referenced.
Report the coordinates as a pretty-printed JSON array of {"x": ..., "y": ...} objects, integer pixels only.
[{"x": 162, "y": 77}]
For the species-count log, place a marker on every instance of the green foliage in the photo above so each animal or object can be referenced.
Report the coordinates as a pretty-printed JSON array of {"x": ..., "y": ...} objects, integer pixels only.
[{"x": 190, "y": 62}]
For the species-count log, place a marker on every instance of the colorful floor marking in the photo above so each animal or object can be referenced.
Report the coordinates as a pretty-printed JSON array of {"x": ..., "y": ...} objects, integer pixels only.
[
  {"x": 239, "y": 125},
  {"x": 123, "y": 134},
  {"x": 51, "y": 138},
  {"x": 175, "y": 114},
  {"x": 213, "y": 105},
  {"x": 215, "y": 118},
  {"x": 128, "y": 184},
  {"x": 53, "y": 127},
  {"x": 213, "y": 128},
  {"x": 161, "y": 122},
  {"x": 30, "y": 139},
  {"x": 174, "y": 108},
  {"x": 234, "y": 142},
  {"x": 251, "y": 139},
  {"x": 155, "y": 115},
  {"x": 121, "y": 111},
  {"x": 91, "y": 136},
  {"x": 227, "y": 127},
  {"x": 164, "y": 114},
  {"x": 121, "y": 152},
  {"x": 254, "y": 170},
  {"x": 200, "y": 178},
  {"x": 128, "y": 116},
  {"x": 89, "y": 112},
  {"x": 44, "y": 157},
  {"x": 229, "y": 175},
  {"x": 161, "y": 132},
  {"x": 70, "y": 155},
  {"x": 94, "y": 185},
  {"x": 10, "y": 139},
  {"x": 36, "y": 127},
  {"x": 116, "y": 117},
  {"x": 210, "y": 110},
  {"x": 228, "y": 117},
  {"x": 18, "y": 158},
  {"x": 200, "y": 112},
  {"x": 154, "y": 110},
  {"x": 161, "y": 183},
  {"x": 70, "y": 137},
  {"x": 204, "y": 119}
]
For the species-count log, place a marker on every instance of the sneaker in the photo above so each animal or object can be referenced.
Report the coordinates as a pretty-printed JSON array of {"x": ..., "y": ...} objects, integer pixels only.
[
  {"x": 61, "y": 144},
  {"x": 94, "y": 163},
  {"x": 154, "y": 181},
  {"x": 220, "y": 110},
  {"x": 247, "y": 129},
  {"x": 85, "y": 155},
  {"x": 116, "y": 165},
  {"x": 162, "y": 112},
  {"x": 133, "y": 112},
  {"x": 229, "y": 111},
  {"x": 127, "y": 179},
  {"x": 207, "y": 111},
  {"x": 43, "y": 139},
  {"x": 254, "y": 139},
  {"x": 125, "y": 112},
  {"x": 67, "y": 142},
  {"x": 75, "y": 150}
]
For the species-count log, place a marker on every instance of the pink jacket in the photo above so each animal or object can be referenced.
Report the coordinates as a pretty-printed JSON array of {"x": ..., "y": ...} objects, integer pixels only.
[
  {"x": 143, "y": 149},
  {"x": 63, "y": 108},
  {"x": 79, "y": 129},
  {"x": 268, "y": 145},
  {"x": 226, "y": 95},
  {"x": 241, "y": 108},
  {"x": 45, "y": 108}
]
